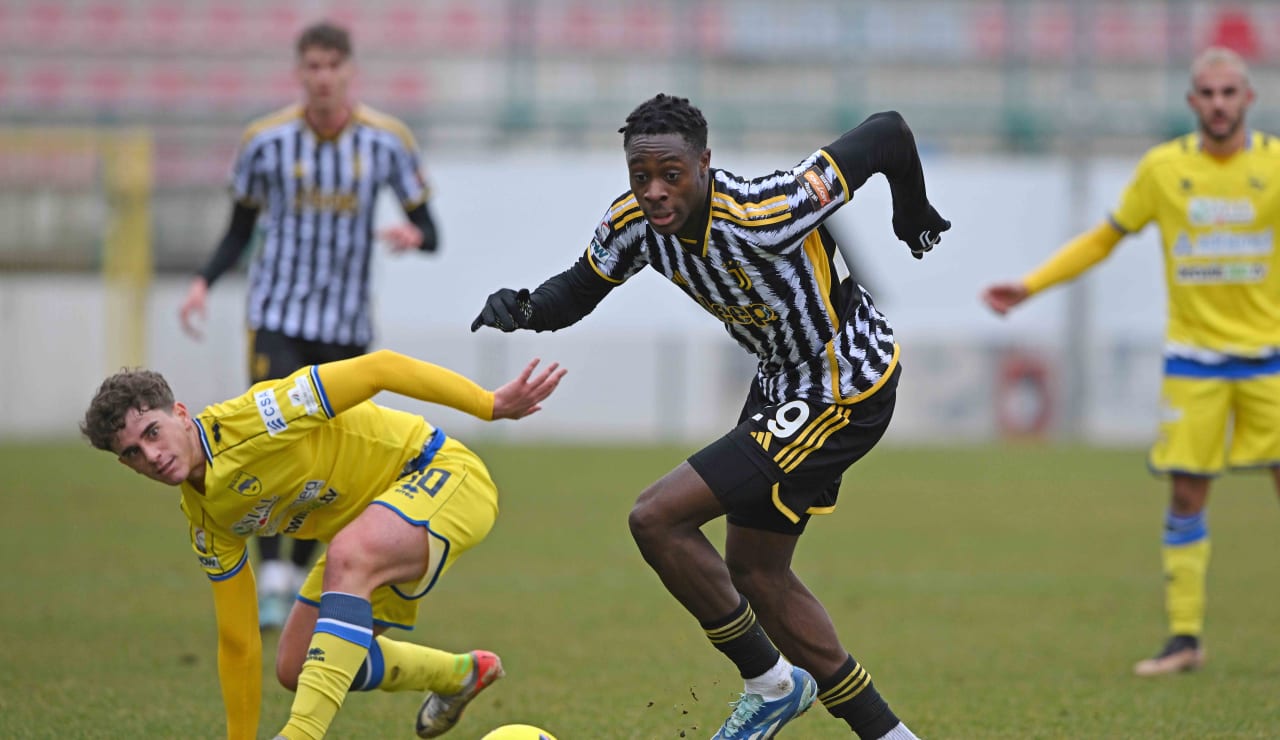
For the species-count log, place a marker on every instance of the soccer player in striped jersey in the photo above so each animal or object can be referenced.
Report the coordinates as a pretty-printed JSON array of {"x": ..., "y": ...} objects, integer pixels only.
[
  {"x": 755, "y": 254},
  {"x": 311, "y": 456},
  {"x": 309, "y": 175},
  {"x": 1215, "y": 196}
]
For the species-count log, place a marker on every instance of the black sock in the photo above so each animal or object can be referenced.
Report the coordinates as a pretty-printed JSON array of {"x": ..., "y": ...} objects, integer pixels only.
[
  {"x": 741, "y": 638},
  {"x": 269, "y": 547},
  {"x": 851, "y": 696},
  {"x": 302, "y": 552}
]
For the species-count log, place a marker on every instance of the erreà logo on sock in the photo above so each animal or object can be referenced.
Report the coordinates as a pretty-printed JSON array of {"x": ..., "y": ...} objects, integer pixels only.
[{"x": 316, "y": 654}]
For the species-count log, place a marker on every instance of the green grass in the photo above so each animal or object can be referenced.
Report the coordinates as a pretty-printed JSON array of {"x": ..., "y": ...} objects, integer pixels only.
[{"x": 998, "y": 592}]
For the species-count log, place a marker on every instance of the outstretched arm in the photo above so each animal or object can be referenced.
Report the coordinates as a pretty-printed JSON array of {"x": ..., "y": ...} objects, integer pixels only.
[
  {"x": 230, "y": 249},
  {"x": 884, "y": 144},
  {"x": 1069, "y": 262},
  {"x": 239, "y": 653},
  {"x": 349, "y": 382},
  {"x": 562, "y": 300}
]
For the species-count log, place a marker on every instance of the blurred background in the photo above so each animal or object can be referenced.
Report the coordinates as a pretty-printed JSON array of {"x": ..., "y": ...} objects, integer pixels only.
[{"x": 119, "y": 120}]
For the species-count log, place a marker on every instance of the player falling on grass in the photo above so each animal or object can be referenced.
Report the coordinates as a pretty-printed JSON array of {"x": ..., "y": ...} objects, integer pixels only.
[
  {"x": 755, "y": 254},
  {"x": 311, "y": 456},
  {"x": 310, "y": 175},
  {"x": 1215, "y": 196}
]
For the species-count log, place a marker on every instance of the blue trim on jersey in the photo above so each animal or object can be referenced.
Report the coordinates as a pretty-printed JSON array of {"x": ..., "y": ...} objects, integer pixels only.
[
  {"x": 204, "y": 440},
  {"x": 424, "y": 458},
  {"x": 1185, "y": 530},
  {"x": 324, "y": 397},
  {"x": 244, "y": 558},
  {"x": 444, "y": 557},
  {"x": 1234, "y": 368}
]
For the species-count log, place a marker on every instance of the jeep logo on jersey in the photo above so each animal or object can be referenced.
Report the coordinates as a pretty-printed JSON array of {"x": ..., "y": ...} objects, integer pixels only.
[
  {"x": 269, "y": 410},
  {"x": 245, "y": 484}
]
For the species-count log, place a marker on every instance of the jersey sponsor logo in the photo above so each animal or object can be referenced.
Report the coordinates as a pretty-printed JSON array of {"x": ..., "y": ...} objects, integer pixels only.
[
  {"x": 299, "y": 517},
  {"x": 1221, "y": 272},
  {"x": 317, "y": 200},
  {"x": 1220, "y": 211},
  {"x": 1226, "y": 244},
  {"x": 815, "y": 185},
  {"x": 302, "y": 395},
  {"x": 309, "y": 490},
  {"x": 755, "y": 314},
  {"x": 257, "y": 518},
  {"x": 598, "y": 251},
  {"x": 210, "y": 562},
  {"x": 269, "y": 410},
  {"x": 245, "y": 484}
]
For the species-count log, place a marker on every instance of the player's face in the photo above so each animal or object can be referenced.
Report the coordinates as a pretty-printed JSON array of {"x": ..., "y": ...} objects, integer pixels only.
[
  {"x": 669, "y": 180},
  {"x": 1220, "y": 95},
  {"x": 158, "y": 444},
  {"x": 325, "y": 75}
]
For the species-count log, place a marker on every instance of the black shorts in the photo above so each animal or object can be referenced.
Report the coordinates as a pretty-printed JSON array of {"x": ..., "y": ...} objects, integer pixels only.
[
  {"x": 275, "y": 355},
  {"x": 783, "y": 462}
]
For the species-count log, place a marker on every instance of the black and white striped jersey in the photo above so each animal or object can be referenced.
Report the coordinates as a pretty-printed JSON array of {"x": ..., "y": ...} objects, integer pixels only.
[
  {"x": 770, "y": 270},
  {"x": 316, "y": 196}
]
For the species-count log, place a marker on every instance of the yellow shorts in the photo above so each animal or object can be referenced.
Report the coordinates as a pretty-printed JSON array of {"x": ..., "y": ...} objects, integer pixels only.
[
  {"x": 1207, "y": 424},
  {"x": 455, "y": 500}
]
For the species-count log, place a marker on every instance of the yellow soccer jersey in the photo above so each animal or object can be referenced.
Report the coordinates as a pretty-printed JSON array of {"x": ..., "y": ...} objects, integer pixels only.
[
  {"x": 280, "y": 462},
  {"x": 1218, "y": 222}
]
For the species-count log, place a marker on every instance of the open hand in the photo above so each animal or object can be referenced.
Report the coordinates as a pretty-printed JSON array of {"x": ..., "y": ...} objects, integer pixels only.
[
  {"x": 1003, "y": 296},
  {"x": 522, "y": 396}
]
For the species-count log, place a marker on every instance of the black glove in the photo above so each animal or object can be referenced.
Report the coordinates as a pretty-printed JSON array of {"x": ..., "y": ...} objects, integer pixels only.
[
  {"x": 921, "y": 229},
  {"x": 506, "y": 310}
]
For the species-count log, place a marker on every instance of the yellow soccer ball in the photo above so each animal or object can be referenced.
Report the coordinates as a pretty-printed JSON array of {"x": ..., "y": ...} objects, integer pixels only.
[{"x": 518, "y": 732}]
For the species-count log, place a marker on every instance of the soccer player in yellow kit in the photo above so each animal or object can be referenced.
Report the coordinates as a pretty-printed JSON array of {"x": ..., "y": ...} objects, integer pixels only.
[
  {"x": 311, "y": 456},
  {"x": 1215, "y": 195}
]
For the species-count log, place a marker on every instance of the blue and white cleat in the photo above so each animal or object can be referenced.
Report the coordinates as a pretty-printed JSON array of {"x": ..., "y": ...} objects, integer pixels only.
[{"x": 754, "y": 718}]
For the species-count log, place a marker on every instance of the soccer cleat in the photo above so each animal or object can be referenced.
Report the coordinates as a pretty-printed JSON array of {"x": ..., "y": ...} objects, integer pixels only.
[
  {"x": 1180, "y": 653},
  {"x": 440, "y": 712},
  {"x": 754, "y": 718},
  {"x": 273, "y": 610}
]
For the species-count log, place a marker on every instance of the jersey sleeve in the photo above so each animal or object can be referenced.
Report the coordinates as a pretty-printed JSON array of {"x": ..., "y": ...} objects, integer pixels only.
[
  {"x": 779, "y": 210},
  {"x": 1137, "y": 202},
  {"x": 616, "y": 251},
  {"x": 269, "y": 416},
  {"x": 248, "y": 179},
  {"x": 221, "y": 554},
  {"x": 405, "y": 172}
]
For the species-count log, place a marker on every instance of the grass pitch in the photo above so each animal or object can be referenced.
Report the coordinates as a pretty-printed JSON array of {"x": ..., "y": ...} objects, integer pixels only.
[{"x": 995, "y": 592}]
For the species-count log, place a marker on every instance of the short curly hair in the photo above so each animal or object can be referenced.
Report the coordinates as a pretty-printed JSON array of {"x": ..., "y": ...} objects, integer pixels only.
[
  {"x": 128, "y": 389},
  {"x": 667, "y": 114}
]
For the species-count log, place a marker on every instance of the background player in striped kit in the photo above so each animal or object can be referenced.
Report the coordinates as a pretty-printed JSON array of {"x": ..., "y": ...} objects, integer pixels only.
[
  {"x": 1215, "y": 197},
  {"x": 312, "y": 172},
  {"x": 755, "y": 254}
]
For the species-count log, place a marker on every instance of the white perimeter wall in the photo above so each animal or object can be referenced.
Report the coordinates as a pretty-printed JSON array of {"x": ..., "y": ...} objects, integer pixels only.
[{"x": 649, "y": 364}]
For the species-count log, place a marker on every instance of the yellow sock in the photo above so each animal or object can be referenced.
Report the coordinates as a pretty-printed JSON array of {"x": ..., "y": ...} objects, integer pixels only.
[
  {"x": 337, "y": 650},
  {"x": 411, "y": 667},
  {"x": 1185, "y": 567}
]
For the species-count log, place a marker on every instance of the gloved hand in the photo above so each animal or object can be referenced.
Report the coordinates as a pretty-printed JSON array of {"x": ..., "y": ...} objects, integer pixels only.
[
  {"x": 506, "y": 310},
  {"x": 921, "y": 229}
]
